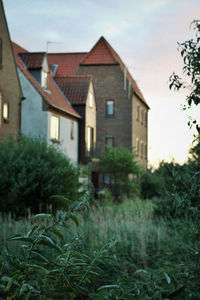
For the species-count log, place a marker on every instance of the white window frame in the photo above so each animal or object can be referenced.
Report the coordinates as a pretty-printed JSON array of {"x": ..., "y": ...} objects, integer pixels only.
[
  {"x": 54, "y": 127},
  {"x": 5, "y": 111},
  {"x": 110, "y": 103}
]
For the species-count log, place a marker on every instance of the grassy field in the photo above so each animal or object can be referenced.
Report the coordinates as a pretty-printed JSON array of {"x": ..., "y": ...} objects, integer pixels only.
[{"x": 136, "y": 254}]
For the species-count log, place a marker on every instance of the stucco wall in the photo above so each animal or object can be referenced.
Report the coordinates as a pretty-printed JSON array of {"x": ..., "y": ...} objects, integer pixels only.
[
  {"x": 33, "y": 118},
  {"x": 67, "y": 145}
]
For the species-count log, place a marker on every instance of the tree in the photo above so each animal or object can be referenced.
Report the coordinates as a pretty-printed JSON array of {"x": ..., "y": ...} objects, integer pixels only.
[
  {"x": 119, "y": 163},
  {"x": 190, "y": 52}
]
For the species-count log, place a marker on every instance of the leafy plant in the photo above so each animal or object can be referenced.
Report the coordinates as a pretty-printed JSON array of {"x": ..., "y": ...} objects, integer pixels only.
[
  {"x": 119, "y": 163},
  {"x": 34, "y": 172},
  {"x": 46, "y": 267}
]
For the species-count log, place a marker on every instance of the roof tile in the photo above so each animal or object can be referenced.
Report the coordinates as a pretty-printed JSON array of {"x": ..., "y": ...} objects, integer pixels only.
[
  {"x": 75, "y": 88},
  {"x": 33, "y": 60},
  {"x": 53, "y": 96}
]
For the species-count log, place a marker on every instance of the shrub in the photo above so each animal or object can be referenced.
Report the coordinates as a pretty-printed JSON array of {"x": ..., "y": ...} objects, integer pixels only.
[
  {"x": 151, "y": 185},
  {"x": 119, "y": 163},
  {"x": 31, "y": 172}
]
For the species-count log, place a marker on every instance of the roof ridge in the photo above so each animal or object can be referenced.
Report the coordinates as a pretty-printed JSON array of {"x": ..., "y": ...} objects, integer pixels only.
[{"x": 65, "y": 53}]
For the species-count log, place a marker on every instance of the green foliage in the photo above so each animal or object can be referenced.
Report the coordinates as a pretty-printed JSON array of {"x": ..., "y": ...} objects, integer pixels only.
[
  {"x": 31, "y": 172},
  {"x": 151, "y": 184},
  {"x": 46, "y": 267},
  {"x": 119, "y": 163},
  {"x": 190, "y": 52}
]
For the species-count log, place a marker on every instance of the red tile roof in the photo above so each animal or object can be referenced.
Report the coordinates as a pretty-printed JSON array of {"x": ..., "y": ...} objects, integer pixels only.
[
  {"x": 95, "y": 56},
  {"x": 67, "y": 62},
  {"x": 53, "y": 96},
  {"x": 101, "y": 53},
  {"x": 33, "y": 60},
  {"x": 75, "y": 88}
]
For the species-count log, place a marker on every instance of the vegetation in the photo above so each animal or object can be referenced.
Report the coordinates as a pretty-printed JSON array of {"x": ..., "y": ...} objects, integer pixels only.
[
  {"x": 34, "y": 171},
  {"x": 119, "y": 163}
]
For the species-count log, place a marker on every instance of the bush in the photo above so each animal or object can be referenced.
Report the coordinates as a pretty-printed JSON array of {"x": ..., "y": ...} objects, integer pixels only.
[
  {"x": 118, "y": 163},
  {"x": 31, "y": 172},
  {"x": 151, "y": 185}
]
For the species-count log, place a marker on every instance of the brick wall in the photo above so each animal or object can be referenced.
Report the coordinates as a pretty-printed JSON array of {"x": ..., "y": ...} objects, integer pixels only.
[{"x": 9, "y": 83}]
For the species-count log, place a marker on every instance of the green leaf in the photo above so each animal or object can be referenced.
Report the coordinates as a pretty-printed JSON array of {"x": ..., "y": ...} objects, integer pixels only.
[
  {"x": 168, "y": 279},
  {"x": 57, "y": 232},
  {"x": 111, "y": 286},
  {"x": 23, "y": 238},
  {"x": 74, "y": 218},
  {"x": 43, "y": 216},
  {"x": 39, "y": 257},
  {"x": 47, "y": 241},
  {"x": 11, "y": 281}
]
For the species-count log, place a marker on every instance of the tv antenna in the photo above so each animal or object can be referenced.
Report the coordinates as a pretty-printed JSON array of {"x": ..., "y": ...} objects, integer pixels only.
[{"x": 50, "y": 42}]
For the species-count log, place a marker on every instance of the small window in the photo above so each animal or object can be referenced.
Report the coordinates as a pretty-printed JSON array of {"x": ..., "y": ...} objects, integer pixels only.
[
  {"x": 142, "y": 149},
  {"x": 54, "y": 128},
  {"x": 137, "y": 146},
  {"x": 146, "y": 119},
  {"x": 109, "y": 107},
  {"x": 138, "y": 113},
  {"x": 142, "y": 116},
  {"x": 44, "y": 81},
  {"x": 5, "y": 111},
  {"x": 110, "y": 141},
  {"x": 90, "y": 100},
  {"x": 108, "y": 180},
  {"x": 1, "y": 50},
  {"x": 90, "y": 138},
  {"x": 72, "y": 130}
]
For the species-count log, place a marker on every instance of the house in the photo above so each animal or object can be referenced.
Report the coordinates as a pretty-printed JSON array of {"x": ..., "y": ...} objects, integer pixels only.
[
  {"x": 10, "y": 90},
  {"x": 80, "y": 92},
  {"x": 46, "y": 112},
  {"x": 121, "y": 109}
]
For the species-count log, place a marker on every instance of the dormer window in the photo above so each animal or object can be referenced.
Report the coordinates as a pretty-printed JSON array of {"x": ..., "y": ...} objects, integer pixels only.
[{"x": 44, "y": 80}]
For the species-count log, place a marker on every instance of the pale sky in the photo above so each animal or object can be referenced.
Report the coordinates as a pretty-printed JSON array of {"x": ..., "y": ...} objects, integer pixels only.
[{"x": 143, "y": 32}]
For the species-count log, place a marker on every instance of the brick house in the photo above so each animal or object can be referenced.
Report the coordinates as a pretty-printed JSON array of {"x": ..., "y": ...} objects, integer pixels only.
[
  {"x": 45, "y": 112},
  {"x": 10, "y": 89},
  {"x": 122, "y": 111}
]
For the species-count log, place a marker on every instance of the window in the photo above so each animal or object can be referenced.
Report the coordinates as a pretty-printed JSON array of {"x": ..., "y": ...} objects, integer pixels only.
[
  {"x": 146, "y": 119},
  {"x": 72, "y": 130},
  {"x": 138, "y": 113},
  {"x": 5, "y": 111},
  {"x": 109, "y": 141},
  {"x": 44, "y": 79},
  {"x": 107, "y": 179},
  {"x": 54, "y": 128},
  {"x": 142, "y": 116},
  {"x": 137, "y": 146},
  {"x": 109, "y": 107},
  {"x": 90, "y": 100},
  {"x": 90, "y": 138},
  {"x": 1, "y": 50},
  {"x": 142, "y": 149}
]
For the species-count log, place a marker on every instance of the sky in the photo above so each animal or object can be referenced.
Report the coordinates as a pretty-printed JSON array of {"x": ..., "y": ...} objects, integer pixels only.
[{"x": 143, "y": 32}]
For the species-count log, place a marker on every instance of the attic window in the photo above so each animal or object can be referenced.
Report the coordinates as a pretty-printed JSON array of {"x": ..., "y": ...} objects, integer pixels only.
[{"x": 44, "y": 79}]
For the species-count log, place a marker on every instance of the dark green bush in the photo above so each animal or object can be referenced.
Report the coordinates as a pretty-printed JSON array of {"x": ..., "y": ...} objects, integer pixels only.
[
  {"x": 31, "y": 172},
  {"x": 151, "y": 184}
]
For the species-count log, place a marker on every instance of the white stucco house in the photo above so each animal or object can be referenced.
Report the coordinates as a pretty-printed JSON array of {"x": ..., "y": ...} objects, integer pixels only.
[{"x": 46, "y": 111}]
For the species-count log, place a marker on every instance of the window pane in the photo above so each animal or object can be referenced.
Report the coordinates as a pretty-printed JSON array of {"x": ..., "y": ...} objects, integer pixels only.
[
  {"x": 54, "y": 127},
  {"x": 5, "y": 110},
  {"x": 110, "y": 141},
  {"x": 109, "y": 107}
]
